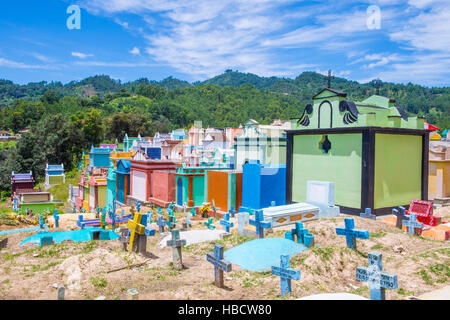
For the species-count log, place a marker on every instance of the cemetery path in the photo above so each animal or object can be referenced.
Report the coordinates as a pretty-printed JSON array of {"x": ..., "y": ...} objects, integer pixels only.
[{"x": 28, "y": 272}]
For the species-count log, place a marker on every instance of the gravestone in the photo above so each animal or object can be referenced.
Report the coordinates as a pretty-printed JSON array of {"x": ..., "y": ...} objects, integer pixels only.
[
  {"x": 171, "y": 222},
  {"x": 103, "y": 222},
  {"x": 193, "y": 212},
  {"x": 308, "y": 240},
  {"x": 299, "y": 232},
  {"x": 378, "y": 279},
  {"x": 220, "y": 265},
  {"x": 260, "y": 223},
  {"x": 209, "y": 224},
  {"x": 232, "y": 212},
  {"x": 351, "y": 234},
  {"x": 400, "y": 214},
  {"x": 424, "y": 211},
  {"x": 124, "y": 238},
  {"x": 41, "y": 222},
  {"x": 161, "y": 223},
  {"x": 243, "y": 221},
  {"x": 368, "y": 214},
  {"x": 226, "y": 223},
  {"x": 56, "y": 217},
  {"x": 214, "y": 209},
  {"x": 321, "y": 194},
  {"x": 176, "y": 243},
  {"x": 289, "y": 235},
  {"x": 413, "y": 226},
  {"x": 3, "y": 243},
  {"x": 61, "y": 291},
  {"x": 286, "y": 274}
]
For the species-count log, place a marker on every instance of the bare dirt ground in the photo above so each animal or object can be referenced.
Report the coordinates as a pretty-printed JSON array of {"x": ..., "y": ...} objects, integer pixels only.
[{"x": 29, "y": 272}]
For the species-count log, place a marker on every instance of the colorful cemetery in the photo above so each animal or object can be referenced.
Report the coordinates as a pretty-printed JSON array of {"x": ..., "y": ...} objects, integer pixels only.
[
  {"x": 34, "y": 201},
  {"x": 54, "y": 174},
  {"x": 439, "y": 171},
  {"x": 192, "y": 186},
  {"x": 122, "y": 182},
  {"x": 128, "y": 142},
  {"x": 357, "y": 146},
  {"x": 21, "y": 181},
  {"x": 163, "y": 187},
  {"x": 97, "y": 184},
  {"x": 141, "y": 175},
  {"x": 224, "y": 188},
  {"x": 263, "y": 185},
  {"x": 253, "y": 144},
  {"x": 111, "y": 187},
  {"x": 99, "y": 157},
  {"x": 117, "y": 155}
]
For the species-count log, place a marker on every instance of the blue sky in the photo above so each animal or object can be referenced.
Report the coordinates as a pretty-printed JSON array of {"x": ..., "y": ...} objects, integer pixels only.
[{"x": 196, "y": 40}]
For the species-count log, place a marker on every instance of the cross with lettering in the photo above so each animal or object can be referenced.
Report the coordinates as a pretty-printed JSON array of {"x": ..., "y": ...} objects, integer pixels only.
[
  {"x": 260, "y": 223},
  {"x": 368, "y": 214},
  {"x": 220, "y": 265},
  {"x": 299, "y": 232},
  {"x": 209, "y": 224},
  {"x": 400, "y": 214},
  {"x": 412, "y": 224},
  {"x": 176, "y": 243},
  {"x": 149, "y": 216},
  {"x": 135, "y": 227},
  {"x": 378, "y": 279},
  {"x": 226, "y": 223},
  {"x": 56, "y": 217},
  {"x": 161, "y": 223},
  {"x": 351, "y": 233},
  {"x": 286, "y": 274},
  {"x": 171, "y": 222},
  {"x": 329, "y": 78}
]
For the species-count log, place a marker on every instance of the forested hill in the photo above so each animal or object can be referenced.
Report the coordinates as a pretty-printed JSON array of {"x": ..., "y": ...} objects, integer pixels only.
[{"x": 416, "y": 100}]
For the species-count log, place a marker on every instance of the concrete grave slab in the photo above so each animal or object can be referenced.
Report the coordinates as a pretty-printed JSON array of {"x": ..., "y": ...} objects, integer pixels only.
[{"x": 196, "y": 236}]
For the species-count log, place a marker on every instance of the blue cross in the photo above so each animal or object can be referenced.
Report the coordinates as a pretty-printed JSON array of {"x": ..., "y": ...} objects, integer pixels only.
[
  {"x": 226, "y": 223},
  {"x": 41, "y": 222},
  {"x": 123, "y": 212},
  {"x": 351, "y": 233},
  {"x": 378, "y": 279},
  {"x": 209, "y": 224},
  {"x": 286, "y": 274},
  {"x": 74, "y": 209},
  {"x": 160, "y": 211},
  {"x": 400, "y": 214},
  {"x": 138, "y": 206},
  {"x": 161, "y": 223},
  {"x": 412, "y": 223},
  {"x": 56, "y": 217},
  {"x": 112, "y": 216},
  {"x": 170, "y": 207},
  {"x": 368, "y": 214},
  {"x": 299, "y": 232},
  {"x": 232, "y": 212},
  {"x": 193, "y": 213},
  {"x": 260, "y": 223},
  {"x": 220, "y": 265},
  {"x": 15, "y": 205},
  {"x": 171, "y": 221},
  {"x": 149, "y": 217}
]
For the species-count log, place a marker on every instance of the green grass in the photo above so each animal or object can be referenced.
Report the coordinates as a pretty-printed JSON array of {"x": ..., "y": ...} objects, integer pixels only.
[
  {"x": 378, "y": 234},
  {"x": 325, "y": 253},
  {"x": 99, "y": 282},
  {"x": 425, "y": 276}
]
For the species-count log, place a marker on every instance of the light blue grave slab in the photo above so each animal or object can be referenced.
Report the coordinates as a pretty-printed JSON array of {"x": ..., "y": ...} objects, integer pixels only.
[
  {"x": 261, "y": 254},
  {"x": 75, "y": 235}
]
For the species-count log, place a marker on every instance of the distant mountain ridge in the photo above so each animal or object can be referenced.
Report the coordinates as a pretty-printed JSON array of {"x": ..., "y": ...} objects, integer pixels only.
[{"x": 415, "y": 99}]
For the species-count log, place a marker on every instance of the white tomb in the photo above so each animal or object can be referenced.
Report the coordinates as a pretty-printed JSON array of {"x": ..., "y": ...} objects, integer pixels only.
[
  {"x": 319, "y": 204},
  {"x": 321, "y": 194}
]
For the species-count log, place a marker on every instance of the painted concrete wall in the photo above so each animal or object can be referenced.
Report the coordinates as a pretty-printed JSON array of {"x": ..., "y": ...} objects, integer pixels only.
[
  {"x": 102, "y": 190},
  {"x": 398, "y": 169},
  {"x": 163, "y": 185},
  {"x": 341, "y": 165},
  {"x": 439, "y": 179},
  {"x": 263, "y": 184}
]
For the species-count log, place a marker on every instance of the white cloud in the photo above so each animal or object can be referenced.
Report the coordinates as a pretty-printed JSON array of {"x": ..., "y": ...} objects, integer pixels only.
[
  {"x": 81, "y": 55},
  {"x": 20, "y": 65},
  {"x": 135, "y": 51},
  {"x": 114, "y": 64}
]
